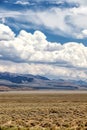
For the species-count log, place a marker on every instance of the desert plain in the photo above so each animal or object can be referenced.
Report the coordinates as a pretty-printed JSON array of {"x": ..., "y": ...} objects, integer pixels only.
[{"x": 43, "y": 111}]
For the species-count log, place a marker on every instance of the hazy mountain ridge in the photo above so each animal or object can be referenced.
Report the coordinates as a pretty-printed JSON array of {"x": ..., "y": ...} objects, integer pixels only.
[{"x": 13, "y": 81}]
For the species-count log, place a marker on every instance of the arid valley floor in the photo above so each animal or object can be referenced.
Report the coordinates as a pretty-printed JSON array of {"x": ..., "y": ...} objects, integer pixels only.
[{"x": 43, "y": 111}]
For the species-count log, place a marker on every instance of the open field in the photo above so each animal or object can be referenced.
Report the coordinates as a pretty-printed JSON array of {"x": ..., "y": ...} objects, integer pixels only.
[{"x": 43, "y": 111}]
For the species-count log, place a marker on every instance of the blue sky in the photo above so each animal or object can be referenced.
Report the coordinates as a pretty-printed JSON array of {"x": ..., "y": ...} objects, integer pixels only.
[{"x": 47, "y": 36}]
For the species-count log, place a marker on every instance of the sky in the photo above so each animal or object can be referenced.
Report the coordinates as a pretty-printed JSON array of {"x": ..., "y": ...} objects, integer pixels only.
[{"x": 44, "y": 37}]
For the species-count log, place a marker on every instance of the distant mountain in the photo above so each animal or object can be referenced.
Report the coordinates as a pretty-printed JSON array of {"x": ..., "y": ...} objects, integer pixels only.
[
  {"x": 20, "y": 78},
  {"x": 14, "y": 81}
]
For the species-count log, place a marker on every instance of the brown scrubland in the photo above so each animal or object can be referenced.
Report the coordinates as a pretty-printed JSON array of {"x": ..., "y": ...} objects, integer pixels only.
[{"x": 40, "y": 111}]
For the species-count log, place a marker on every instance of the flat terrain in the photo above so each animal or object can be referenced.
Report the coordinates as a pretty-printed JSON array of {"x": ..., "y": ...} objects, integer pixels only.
[{"x": 43, "y": 111}]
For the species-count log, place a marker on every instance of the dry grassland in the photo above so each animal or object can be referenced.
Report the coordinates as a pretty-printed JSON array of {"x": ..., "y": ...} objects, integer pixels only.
[{"x": 43, "y": 111}]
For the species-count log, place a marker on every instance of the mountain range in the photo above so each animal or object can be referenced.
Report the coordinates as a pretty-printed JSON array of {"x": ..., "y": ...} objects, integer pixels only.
[{"x": 14, "y": 81}]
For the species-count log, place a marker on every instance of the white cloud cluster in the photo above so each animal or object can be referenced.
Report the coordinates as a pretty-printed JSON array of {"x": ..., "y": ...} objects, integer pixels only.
[
  {"x": 21, "y": 2},
  {"x": 68, "y": 22},
  {"x": 32, "y": 53},
  {"x": 6, "y": 33},
  {"x": 47, "y": 70}
]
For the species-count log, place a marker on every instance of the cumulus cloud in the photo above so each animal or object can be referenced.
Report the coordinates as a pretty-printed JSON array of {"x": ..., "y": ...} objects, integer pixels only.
[
  {"x": 32, "y": 53},
  {"x": 6, "y": 33}
]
